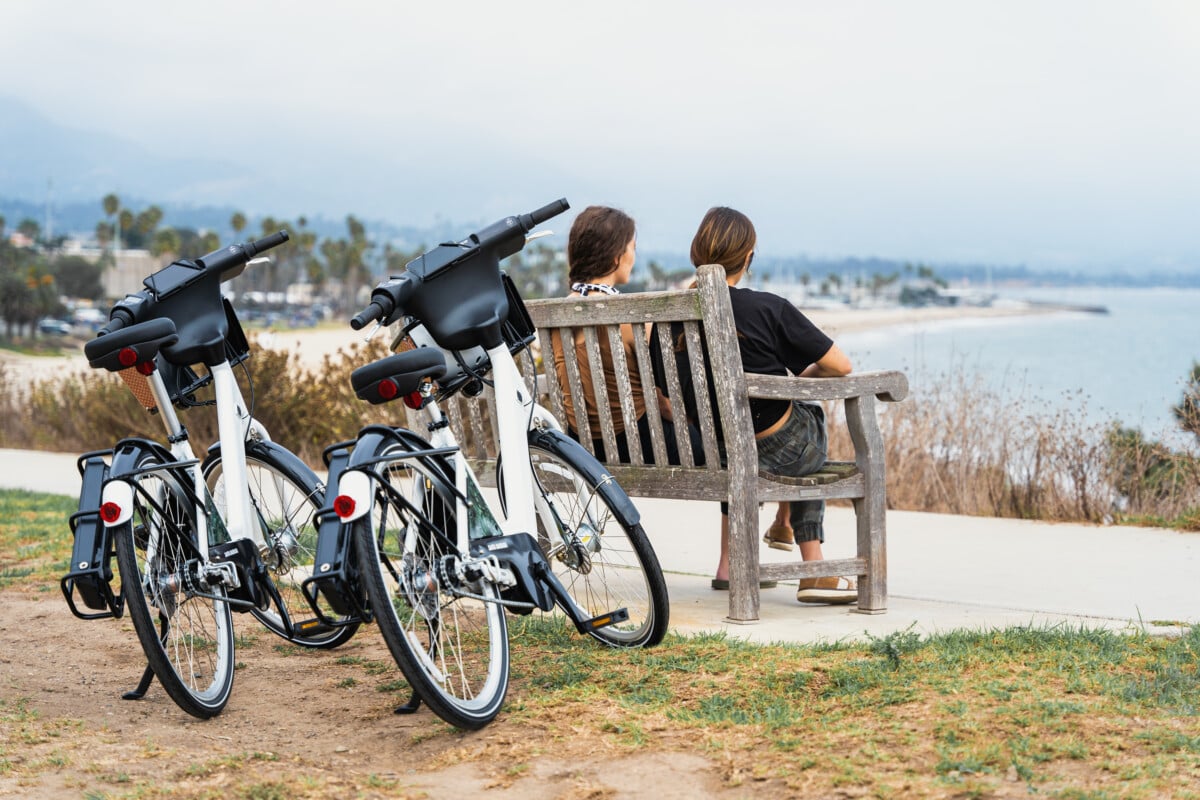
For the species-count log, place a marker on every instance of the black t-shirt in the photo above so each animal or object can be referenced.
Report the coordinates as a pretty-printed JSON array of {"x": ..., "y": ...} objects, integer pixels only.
[{"x": 774, "y": 339}]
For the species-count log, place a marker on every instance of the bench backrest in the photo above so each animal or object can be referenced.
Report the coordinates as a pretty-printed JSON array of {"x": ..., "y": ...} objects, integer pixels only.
[{"x": 707, "y": 321}]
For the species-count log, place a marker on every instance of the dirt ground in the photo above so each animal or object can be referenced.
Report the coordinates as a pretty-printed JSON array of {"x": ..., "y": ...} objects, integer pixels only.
[{"x": 291, "y": 713}]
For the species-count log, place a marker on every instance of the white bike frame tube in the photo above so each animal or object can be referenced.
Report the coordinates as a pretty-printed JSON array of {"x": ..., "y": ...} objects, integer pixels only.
[
  {"x": 181, "y": 448},
  {"x": 513, "y": 405},
  {"x": 231, "y": 427}
]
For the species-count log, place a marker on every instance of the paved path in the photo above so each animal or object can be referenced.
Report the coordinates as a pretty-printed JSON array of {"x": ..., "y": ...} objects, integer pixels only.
[{"x": 945, "y": 571}]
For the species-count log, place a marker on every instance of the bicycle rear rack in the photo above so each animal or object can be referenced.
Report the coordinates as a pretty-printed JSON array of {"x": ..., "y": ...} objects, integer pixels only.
[{"x": 91, "y": 556}]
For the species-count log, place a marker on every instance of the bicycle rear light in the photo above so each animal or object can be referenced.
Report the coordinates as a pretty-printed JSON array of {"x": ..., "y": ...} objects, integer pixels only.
[
  {"x": 128, "y": 357},
  {"x": 110, "y": 512},
  {"x": 388, "y": 389},
  {"x": 344, "y": 506},
  {"x": 415, "y": 400},
  {"x": 146, "y": 367}
]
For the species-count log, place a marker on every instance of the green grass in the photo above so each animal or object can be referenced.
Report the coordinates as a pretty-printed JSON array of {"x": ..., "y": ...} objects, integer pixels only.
[
  {"x": 35, "y": 539},
  {"x": 1057, "y": 711}
]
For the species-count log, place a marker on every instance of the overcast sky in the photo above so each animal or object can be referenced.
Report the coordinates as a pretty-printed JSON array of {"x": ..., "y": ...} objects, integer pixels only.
[{"x": 1046, "y": 133}]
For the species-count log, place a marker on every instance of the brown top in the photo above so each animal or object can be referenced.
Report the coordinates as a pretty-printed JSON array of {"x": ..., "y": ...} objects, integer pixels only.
[{"x": 610, "y": 380}]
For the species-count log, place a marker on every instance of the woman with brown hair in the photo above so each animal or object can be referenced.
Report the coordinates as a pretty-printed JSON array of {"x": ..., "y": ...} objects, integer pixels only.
[
  {"x": 601, "y": 251},
  {"x": 775, "y": 339}
]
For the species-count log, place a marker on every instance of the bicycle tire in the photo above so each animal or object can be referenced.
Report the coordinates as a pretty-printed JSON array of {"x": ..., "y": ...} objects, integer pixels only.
[
  {"x": 285, "y": 495},
  {"x": 603, "y": 562},
  {"x": 191, "y": 649},
  {"x": 453, "y": 650}
]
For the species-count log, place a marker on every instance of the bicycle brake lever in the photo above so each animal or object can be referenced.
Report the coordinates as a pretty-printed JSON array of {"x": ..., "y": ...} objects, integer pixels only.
[{"x": 374, "y": 331}]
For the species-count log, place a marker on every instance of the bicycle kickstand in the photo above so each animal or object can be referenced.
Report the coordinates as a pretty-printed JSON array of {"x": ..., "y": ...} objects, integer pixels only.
[
  {"x": 142, "y": 687},
  {"x": 414, "y": 702}
]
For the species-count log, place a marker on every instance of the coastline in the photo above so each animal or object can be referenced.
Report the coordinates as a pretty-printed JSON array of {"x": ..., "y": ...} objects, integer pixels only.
[
  {"x": 311, "y": 345},
  {"x": 840, "y": 322}
]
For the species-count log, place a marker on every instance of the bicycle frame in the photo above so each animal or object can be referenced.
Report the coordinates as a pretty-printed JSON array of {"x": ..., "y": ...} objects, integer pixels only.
[{"x": 234, "y": 424}]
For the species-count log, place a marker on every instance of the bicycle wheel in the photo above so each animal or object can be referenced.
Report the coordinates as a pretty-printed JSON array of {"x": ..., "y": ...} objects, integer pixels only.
[
  {"x": 603, "y": 563},
  {"x": 187, "y": 638},
  {"x": 453, "y": 649},
  {"x": 284, "y": 497}
]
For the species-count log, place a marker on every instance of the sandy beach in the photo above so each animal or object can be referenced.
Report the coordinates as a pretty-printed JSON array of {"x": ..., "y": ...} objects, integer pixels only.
[{"x": 312, "y": 344}]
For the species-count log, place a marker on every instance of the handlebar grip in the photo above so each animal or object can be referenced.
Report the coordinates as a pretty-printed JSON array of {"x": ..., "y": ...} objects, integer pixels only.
[
  {"x": 549, "y": 210},
  {"x": 115, "y": 324},
  {"x": 368, "y": 314},
  {"x": 266, "y": 243}
]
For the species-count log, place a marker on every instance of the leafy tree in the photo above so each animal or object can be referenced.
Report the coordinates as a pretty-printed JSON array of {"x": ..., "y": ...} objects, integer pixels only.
[
  {"x": 165, "y": 241},
  {"x": 78, "y": 277},
  {"x": 30, "y": 228},
  {"x": 538, "y": 271}
]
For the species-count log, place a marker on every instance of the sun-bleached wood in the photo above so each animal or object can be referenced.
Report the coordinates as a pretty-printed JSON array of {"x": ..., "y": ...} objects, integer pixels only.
[{"x": 707, "y": 319}]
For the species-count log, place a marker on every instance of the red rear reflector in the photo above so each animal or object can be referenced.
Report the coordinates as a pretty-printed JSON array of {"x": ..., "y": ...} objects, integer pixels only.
[
  {"x": 388, "y": 389},
  {"x": 110, "y": 512},
  {"x": 414, "y": 400},
  {"x": 146, "y": 367},
  {"x": 127, "y": 357},
  {"x": 343, "y": 506}
]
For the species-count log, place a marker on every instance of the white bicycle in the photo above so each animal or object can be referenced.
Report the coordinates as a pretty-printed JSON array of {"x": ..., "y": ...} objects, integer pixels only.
[
  {"x": 438, "y": 565},
  {"x": 194, "y": 540}
]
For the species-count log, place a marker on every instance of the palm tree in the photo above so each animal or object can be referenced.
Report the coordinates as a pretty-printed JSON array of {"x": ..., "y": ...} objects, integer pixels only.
[
  {"x": 112, "y": 204},
  {"x": 238, "y": 223}
]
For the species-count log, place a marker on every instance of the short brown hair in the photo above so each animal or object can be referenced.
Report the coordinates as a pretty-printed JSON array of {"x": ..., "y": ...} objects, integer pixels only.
[
  {"x": 725, "y": 237},
  {"x": 598, "y": 237}
]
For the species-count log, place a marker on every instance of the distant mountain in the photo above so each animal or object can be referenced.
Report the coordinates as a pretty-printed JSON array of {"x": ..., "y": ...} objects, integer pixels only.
[
  {"x": 40, "y": 158},
  {"x": 58, "y": 175}
]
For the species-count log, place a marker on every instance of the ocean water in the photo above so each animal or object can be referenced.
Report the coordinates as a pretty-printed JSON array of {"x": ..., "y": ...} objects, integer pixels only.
[{"x": 1129, "y": 365}]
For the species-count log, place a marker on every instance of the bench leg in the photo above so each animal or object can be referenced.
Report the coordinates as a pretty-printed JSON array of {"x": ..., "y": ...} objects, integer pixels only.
[
  {"x": 743, "y": 559},
  {"x": 872, "y": 547}
]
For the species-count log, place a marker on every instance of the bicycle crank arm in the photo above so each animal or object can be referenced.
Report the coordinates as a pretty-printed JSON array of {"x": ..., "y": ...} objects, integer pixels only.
[
  {"x": 536, "y": 582},
  {"x": 583, "y": 623}
]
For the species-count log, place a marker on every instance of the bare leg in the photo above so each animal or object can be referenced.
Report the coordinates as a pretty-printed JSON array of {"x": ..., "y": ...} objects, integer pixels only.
[
  {"x": 723, "y": 563},
  {"x": 811, "y": 551}
]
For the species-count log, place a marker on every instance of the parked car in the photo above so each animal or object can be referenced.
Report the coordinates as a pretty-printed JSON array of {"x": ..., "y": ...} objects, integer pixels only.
[{"x": 54, "y": 327}]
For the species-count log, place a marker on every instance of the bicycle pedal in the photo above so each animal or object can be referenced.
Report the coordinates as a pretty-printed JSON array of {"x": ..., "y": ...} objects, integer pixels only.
[
  {"x": 604, "y": 620},
  {"x": 309, "y": 627}
]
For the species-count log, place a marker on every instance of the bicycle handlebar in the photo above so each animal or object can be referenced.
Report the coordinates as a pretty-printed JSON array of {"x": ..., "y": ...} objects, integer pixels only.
[
  {"x": 177, "y": 276},
  {"x": 501, "y": 239},
  {"x": 544, "y": 213},
  {"x": 236, "y": 255},
  {"x": 385, "y": 299}
]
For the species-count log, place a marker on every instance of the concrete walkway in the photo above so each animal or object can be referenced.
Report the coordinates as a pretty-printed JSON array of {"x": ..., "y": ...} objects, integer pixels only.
[{"x": 945, "y": 572}]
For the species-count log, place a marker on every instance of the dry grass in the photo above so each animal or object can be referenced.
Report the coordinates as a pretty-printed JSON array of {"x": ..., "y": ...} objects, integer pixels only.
[{"x": 954, "y": 446}]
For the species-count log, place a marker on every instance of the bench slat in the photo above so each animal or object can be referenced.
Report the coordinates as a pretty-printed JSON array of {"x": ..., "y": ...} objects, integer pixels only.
[
  {"x": 654, "y": 419},
  {"x": 674, "y": 393},
  {"x": 600, "y": 392},
  {"x": 625, "y": 308},
  {"x": 704, "y": 421},
  {"x": 625, "y": 396},
  {"x": 887, "y": 384},
  {"x": 575, "y": 387},
  {"x": 554, "y": 392}
]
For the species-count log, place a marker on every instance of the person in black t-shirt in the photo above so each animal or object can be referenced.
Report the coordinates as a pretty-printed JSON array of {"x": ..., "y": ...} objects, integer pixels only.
[{"x": 774, "y": 338}]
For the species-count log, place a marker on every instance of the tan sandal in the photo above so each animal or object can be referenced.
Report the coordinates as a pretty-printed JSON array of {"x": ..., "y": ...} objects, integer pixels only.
[
  {"x": 780, "y": 537},
  {"x": 832, "y": 590}
]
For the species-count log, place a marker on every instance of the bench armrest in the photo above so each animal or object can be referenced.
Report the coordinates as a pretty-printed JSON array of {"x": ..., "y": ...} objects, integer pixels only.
[{"x": 887, "y": 385}]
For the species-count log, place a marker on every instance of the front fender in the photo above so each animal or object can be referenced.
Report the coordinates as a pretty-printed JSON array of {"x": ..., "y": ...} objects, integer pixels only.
[{"x": 577, "y": 456}]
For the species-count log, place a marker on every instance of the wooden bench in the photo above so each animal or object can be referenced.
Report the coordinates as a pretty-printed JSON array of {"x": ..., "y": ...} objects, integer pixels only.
[{"x": 707, "y": 308}]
